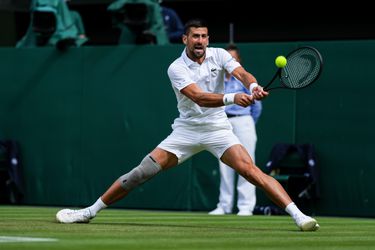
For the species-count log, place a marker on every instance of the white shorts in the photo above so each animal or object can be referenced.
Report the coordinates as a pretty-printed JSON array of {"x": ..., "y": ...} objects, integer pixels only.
[{"x": 185, "y": 142}]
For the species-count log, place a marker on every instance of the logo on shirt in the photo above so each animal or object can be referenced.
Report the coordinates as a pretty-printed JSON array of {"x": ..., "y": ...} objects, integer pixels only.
[{"x": 214, "y": 72}]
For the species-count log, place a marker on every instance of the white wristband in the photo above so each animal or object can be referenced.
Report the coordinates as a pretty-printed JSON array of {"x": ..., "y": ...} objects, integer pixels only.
[
  {"x": 252, "y": 86},
  {"x": 228, "y": 99}
]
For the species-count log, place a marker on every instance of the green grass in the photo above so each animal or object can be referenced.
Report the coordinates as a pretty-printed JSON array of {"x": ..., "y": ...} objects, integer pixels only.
[{"x": 133, "y": 229}]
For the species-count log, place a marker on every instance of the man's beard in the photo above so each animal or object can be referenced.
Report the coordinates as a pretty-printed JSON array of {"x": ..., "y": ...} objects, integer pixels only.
[{"x": 198, "y": 55}]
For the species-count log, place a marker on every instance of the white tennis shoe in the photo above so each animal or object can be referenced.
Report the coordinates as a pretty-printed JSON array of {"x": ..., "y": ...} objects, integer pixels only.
[
  {"x": 244, "y": 213},
  {"x": 217, "y": 211},
  {"x": 306, "y": 223},
  {"x": 74, "y": 216}
]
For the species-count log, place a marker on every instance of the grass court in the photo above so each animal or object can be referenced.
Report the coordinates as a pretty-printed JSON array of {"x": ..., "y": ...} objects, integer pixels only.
[{"x": 21, "y": 227}]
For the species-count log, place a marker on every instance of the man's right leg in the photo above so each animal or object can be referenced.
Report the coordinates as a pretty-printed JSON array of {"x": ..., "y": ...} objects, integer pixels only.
[
  {"x": 159, "y": 160},
  {"x": 152, "y": 164}
]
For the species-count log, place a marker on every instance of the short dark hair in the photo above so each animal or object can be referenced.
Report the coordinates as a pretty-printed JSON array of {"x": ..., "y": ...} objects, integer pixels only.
[
  {"x": 234, "y": 47},
  {"x": 195, "y": 23}
]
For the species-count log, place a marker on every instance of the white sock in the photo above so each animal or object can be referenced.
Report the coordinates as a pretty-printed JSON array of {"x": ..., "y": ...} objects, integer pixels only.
[
  {"x": 293, "y": 210},
  {"x": 97, "y": 206}
]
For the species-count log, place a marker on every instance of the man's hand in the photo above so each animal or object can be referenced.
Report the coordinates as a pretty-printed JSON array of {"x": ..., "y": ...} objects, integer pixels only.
[
  {"x": 259, "y": 93},
  {"x": 243, "y": 99}
]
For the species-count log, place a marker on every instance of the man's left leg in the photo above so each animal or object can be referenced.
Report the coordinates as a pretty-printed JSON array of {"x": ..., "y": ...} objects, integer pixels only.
[{"x": 237, "y": 157}]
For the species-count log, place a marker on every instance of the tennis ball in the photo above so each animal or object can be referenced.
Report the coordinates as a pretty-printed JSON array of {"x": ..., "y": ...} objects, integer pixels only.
[{"x": 280, "y": 61}]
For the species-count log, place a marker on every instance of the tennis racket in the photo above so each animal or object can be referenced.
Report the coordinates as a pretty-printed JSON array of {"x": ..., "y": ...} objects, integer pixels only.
[{"x": 304, "y": 66}]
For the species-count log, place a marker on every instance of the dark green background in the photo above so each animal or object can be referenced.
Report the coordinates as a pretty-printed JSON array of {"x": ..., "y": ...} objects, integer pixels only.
[{"x": 87, "y": 116}]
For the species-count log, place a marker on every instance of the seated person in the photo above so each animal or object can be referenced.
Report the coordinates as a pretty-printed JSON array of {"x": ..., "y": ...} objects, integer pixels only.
[
  {"x": 77, "y": 20},
  {"x": 140, "y": 21},
  {"x": 52, "y": 24}
]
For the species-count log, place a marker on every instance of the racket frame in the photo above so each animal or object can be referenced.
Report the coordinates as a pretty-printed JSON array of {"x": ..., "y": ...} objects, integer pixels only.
[{"x": 278, "y": 72}]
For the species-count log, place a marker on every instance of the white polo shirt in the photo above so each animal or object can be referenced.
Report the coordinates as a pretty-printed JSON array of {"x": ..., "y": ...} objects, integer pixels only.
[{"x": 209, "y": 76}]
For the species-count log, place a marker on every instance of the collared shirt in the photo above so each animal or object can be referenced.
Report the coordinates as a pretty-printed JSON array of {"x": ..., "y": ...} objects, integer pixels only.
[
  {"x": 209, "y": 76},
  {"x": 232, "y": 85}
]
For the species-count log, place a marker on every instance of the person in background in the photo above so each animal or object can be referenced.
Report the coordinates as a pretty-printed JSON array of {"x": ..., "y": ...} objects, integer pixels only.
[
  {"x": 173, "y": 24},
  {"x": 243, "y": 121},
  {"x": 77, "y": 20},
  {"x": 53, "y": 24},
  {"x": 139, "y": 21}
]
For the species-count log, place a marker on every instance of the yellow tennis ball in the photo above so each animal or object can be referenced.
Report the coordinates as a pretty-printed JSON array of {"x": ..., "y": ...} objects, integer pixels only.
[{"x": 280, "y": 61}]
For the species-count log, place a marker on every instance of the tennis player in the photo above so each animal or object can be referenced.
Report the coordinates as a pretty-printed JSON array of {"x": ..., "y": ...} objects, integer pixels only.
[{"x": 197, "y": 78}]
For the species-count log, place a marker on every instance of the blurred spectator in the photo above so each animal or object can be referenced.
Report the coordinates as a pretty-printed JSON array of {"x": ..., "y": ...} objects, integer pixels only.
[
  {"x": 53, "y": 24},
  {"x": 140, "y": 21},
  {"x": 173, "y": 24},
  {"x": 243, "y": 121},
  {"x": 77, "y": 20}
]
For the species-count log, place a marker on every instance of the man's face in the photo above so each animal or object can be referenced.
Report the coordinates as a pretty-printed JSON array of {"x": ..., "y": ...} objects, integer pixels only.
[{"x": 196, "y": 42}]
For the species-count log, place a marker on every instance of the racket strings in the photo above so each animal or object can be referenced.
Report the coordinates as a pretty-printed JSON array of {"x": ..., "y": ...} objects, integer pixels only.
[{"x": 303, "y": 68}]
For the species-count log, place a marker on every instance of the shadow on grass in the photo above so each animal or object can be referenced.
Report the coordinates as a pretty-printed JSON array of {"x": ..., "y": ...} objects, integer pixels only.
[{"x": 200, "y": 227}]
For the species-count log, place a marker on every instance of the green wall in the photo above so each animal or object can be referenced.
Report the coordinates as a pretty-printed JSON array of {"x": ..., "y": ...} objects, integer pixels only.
[{"x": 87, "y": 116}]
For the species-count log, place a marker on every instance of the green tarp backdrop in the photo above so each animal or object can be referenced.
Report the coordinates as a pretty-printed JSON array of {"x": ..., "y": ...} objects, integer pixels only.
[{"x": 86, "y": 116}]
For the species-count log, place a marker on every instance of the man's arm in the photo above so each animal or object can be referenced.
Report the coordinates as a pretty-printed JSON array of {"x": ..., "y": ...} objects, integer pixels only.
[
  {"x": 247, "y": 79},
  {"x": 205, "y": 99}
]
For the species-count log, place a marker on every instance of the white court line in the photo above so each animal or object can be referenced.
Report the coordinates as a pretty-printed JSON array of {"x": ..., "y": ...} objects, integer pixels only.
[{"x": 8, "y": 239}]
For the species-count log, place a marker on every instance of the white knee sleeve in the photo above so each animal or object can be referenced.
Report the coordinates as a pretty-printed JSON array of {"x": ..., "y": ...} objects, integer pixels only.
[{"x": 146, "y": 170}]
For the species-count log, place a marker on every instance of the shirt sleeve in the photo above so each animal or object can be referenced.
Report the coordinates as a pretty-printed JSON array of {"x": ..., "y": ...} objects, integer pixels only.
[
  {"x": 229, "y": 62},
  {"x": 179, "y": 76}
]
